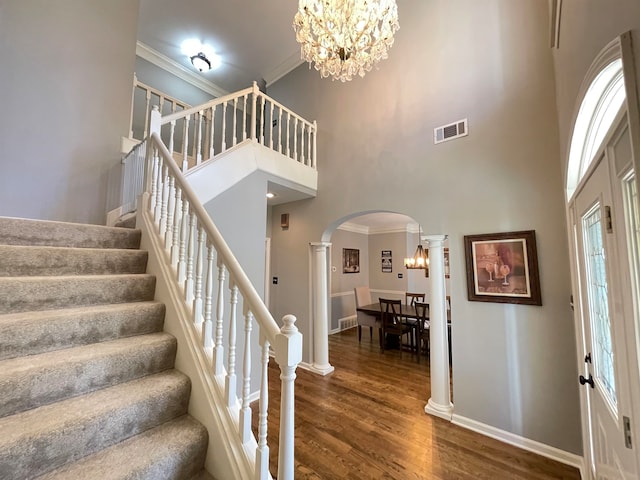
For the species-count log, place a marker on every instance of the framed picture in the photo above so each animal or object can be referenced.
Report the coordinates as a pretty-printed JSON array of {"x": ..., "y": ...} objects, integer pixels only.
[
  {"x": 387, "y": 266},
  {"x": 350, "y": 260},
  {"x": 503, "y": 267},
  {"x": 447, "y": 271}
]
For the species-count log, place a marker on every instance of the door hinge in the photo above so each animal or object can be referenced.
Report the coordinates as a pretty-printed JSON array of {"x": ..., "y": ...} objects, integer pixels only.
[
  {"x": 608, "y": 220},
  {"x": 627, "y": 432}
]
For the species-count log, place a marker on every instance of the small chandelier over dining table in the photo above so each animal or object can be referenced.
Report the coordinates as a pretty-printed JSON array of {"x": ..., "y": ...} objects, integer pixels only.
[
  {"x": 344, "y": 38},
  {"x": 421, "y": 258}
]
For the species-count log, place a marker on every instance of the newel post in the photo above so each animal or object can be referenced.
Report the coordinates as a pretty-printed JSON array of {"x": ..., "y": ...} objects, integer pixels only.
[
  {"x": 154, "y": 121},
  {"x": 288, "y": 348}
]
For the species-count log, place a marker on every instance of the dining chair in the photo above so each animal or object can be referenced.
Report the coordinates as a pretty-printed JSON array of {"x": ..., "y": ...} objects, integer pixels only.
[
  {"x": 412, "y": 298},
  {"x": 363, "y": 297},
  {"x": 422, "y": 327},
  {"x": 394, "y": 323}
]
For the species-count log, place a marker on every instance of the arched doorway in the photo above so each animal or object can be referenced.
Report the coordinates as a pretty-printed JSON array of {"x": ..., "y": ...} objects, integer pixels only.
[
  {"x": 602, "y": 212},
  {"x": 327, "y": 262}
]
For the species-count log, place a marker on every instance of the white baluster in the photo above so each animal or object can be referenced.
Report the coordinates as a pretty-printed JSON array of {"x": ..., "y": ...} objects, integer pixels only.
[
  {"x": 185, "y": 144},
  {"x": 288, "y": 347},
  {"x": 197, "y": 299},
  {"x": 245, "y": 411},
  {"x": 147, "y": 113},
  {"x": 218, "y": 348},
  {"x": 199, "y": 140},
  {"x": 230, "y": 385},
  {"x": 207, "y": 326},
  {"x": 314, "y": 132},
  {"x": 295, "y": 139},
  {"x": 171, "y": 205},
  {"x": 165, "y": 198},
  {"x": 235, "y": 118},
  {"x": 271, "y": 128},
  {"x": 188, "y": 284},
  {"x": 172, "y": 132},
  {"x": 279, "y": 130},
  {"x": 262, "y": 453},
  {"x": 213, "y": 122},
  {"x": 302, "y": 151},
  {"x": 244, "y": 119},
  {"x": 154, "y": 182},
  {"x": 182, "y": 254},
  {"x": 224, "y": 127},
  {"x": 288, "y": 140},
  {"x": 177, "y": 221},
  {"x": 262, "y": 119}
]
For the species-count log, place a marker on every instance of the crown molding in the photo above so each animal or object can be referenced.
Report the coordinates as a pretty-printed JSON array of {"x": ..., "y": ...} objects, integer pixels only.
[
  {"x": 389, "y": 229},
  {"x": 292, "y": 62},
  {"x": 173, "y": 67},
  {"x": 354, "y": 228}
]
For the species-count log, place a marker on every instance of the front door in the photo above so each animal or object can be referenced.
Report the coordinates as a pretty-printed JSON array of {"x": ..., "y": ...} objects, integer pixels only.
[{"x": 606, "y": 305}]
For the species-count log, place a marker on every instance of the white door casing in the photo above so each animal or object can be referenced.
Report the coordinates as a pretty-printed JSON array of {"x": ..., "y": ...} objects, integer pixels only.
[{"x": 606, "y": 309}]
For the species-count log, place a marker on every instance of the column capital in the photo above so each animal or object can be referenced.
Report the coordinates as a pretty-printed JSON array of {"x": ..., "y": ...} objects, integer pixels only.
[
  {"x": 319, "y": 245},
  {"x": 434, "y": 240}
]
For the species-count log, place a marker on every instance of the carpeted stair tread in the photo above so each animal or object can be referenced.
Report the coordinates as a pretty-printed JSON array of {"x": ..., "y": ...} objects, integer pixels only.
[
  {"x": 202, "y": 475},
  {"x": 22, "y": 294},
  {"x": 31, "y": 333},
  {"x": 172, "y": 451},
  {"x": 37, "y": 441},
  {"x": 20, "y": 260},
  {"x": 26, "y": 381},
  {"x": 21, "y": 231}
]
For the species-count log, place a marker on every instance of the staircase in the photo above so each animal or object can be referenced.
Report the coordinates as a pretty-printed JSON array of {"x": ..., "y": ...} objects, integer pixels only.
[{"x": 88, "y": 387}]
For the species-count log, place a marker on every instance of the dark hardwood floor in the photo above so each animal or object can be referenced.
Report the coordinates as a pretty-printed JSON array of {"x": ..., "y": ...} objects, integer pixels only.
[{"x": 366, "y": 420}]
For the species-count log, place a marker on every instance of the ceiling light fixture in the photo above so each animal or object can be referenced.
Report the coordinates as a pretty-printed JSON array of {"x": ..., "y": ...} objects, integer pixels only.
[
  {"x": 345, "y": 37},
  {"x": 201, "y": 62},
  {"x": 421, "y": 258},
  {"x": 270, "y": 195},
  {"x": 202, "y": 56}
]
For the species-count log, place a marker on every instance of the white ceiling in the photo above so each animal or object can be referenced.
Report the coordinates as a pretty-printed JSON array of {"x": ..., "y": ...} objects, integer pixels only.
[{"x": 255, "y": 38}]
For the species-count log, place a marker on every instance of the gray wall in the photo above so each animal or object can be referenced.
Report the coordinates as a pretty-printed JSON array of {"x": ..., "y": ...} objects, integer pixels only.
[
  {"x": 66, "y": 79},
  {"x": 514, "y": 367}
]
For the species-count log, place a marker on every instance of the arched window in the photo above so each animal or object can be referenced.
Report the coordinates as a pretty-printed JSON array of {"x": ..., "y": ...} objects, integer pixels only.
[{"x": 600, "y": 105}]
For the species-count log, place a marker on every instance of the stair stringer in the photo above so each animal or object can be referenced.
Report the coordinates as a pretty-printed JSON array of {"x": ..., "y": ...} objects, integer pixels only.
[
  {"x": 213, "y": 177},
  {"x": 227, "y": 457}
]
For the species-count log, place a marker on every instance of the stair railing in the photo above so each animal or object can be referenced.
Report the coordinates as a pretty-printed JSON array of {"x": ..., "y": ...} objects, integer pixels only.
[
  {"x": 204, "y": 266},
  {"x": 132, "y": 177},
  {"x": 214, "y": 127}
]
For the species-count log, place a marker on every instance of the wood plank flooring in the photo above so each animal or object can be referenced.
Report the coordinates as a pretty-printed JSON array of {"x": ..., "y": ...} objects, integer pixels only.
[{"x": 366, "y": 420}]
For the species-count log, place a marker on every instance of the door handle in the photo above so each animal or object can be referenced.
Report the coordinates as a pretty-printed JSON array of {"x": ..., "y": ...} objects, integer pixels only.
[{"x": 587, "y": 380}]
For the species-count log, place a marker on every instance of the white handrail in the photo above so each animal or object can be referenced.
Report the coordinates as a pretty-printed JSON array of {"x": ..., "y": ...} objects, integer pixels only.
[{"x": 192, "y": 239}]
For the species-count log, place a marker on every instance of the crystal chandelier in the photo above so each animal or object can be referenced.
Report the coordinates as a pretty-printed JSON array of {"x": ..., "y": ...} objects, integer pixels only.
[{"x": 345, "y": 37}]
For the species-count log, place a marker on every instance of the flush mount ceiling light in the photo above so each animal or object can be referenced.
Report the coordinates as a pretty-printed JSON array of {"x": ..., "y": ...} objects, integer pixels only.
[
  {"x": 202, "y": 56},
  {"x": 271, "y": 195},
  {"x": 201, "y": 62},
  {"x": 345, "y": 37}
]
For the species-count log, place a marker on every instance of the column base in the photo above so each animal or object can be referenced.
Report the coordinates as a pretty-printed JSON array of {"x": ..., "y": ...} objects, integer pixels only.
[
  {"x": 320, "y": 369},
  {"x": 437, "y": 410}
]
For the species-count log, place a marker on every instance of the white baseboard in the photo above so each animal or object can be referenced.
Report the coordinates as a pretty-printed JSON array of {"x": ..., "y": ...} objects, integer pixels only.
[{"x": 517, "y": 441}]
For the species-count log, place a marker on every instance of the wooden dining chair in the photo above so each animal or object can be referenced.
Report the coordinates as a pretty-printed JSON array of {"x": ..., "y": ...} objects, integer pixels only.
[
  {"x": 412, "y": 298},
  {"x": 394, "y": 323},
  {"x": 422, "y": 328}
]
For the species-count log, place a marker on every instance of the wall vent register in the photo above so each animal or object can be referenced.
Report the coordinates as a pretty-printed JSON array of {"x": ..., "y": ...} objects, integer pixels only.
[{"x": 449, "y": 132}]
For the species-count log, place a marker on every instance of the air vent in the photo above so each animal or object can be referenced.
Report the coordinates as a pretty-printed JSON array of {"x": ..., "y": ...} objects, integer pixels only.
[{"x": 451, "y": 131}]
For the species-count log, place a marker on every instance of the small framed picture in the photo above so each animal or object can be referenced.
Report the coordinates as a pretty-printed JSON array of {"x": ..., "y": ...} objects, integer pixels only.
[
  {"x": 387, "y": 265},
  {"x": 350, "y": 260},
  {"x": 503, "y": 267}
]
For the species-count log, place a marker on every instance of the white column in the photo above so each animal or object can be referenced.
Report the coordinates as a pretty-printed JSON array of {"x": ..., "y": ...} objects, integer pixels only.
[
  {"x": 320, "y": 294},
  {"x": 440, "y": 402}
]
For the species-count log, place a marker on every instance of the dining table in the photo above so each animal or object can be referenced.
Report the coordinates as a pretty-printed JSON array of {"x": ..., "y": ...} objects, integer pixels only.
[{"x": 408, "y": 311}]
